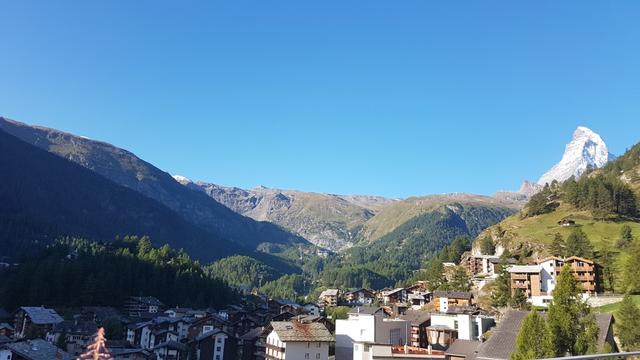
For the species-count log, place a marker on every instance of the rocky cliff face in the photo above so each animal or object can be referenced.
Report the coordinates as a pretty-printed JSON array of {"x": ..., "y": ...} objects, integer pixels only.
[
  {"x": 327, "y": 220},
  {"x": 586, "y": 149}
]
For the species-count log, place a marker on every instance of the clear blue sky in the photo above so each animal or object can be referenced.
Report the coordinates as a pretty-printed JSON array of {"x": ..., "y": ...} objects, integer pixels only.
[{"x": 395, "y": 98}]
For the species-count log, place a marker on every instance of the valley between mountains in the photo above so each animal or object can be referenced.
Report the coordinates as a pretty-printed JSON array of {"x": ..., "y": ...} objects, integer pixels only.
[{"x": 288, "y": 243}]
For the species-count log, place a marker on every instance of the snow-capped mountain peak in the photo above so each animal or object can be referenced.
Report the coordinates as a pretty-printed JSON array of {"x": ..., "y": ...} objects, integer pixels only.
[
  {"x": 586, "y": 149},
  {"x": 182, "y": 179}
]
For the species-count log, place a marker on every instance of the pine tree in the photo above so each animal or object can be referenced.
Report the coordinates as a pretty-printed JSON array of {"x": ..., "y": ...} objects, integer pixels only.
[
  {"x": 532, "y": 334},
  {"x": 565, "y": 316},
  {"x": 631, "y": 275},
  {"x": 501, "y": 288},
  {"x": 607, "y": 262},
  {"x": 460, "y": 279},
  {"x": 486, "y": 246},
  {"x": 628, "y": 324},
  {"x": 626, "y": 236},
  {"x": 519, "y": 300},
  {"x": 558, "y": 245},
  {"x": 578, "y": 244}
]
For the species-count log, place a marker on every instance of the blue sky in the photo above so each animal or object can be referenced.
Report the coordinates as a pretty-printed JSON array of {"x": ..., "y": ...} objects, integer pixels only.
[{"x": 394, "y": 98}]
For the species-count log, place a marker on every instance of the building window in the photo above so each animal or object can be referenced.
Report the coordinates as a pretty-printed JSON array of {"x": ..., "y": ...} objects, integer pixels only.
[
  {"x": 308, "y": 344},
  {"x": 218, "y": 348},
  {"x": 318, "y": 344},
  {"x": 355, "y": 347},
  {"x": 455, "y": 324},
  {"x": 318, "y": 356},
  {"x": 306, "y": 356}
]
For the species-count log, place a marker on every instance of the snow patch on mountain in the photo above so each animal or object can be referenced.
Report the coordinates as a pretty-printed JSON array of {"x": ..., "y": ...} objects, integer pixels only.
[
  {"x": 586, "y": 149},
  {"x": 182, "y": 179}
]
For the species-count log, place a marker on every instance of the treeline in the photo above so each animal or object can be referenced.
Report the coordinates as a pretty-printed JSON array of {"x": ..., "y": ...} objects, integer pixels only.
[
  {"x": 602, "y": 194},
  {"x": 74, "y": 272}
]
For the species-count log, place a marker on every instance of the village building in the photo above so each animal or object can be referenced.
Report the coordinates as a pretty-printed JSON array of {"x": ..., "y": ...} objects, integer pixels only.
[
  {"x": 538, "y": 281},
  {"x": 217, "y": 345},
  {"x": 420, "y": 321},
  {"x": 444, "y": 300},
  {"x": 78, "y": 334},
  {"x": 311, "y": 309},
  {"x": 36, "y": 349},
  {"x": 394, "y": 296},
  {"x": 252, "y": 345},
  {"x": 447, "y": 328},
  {"x": 329, "y": 298},
  {"x": 369, "y": 325},
  {"x": 482, "y": 264},
  {"x": 142, "y": 306},
  {"x": 360, "y": 297},
  {"x": 294, "y": 340},
  {"x": 30, "y": 321}
]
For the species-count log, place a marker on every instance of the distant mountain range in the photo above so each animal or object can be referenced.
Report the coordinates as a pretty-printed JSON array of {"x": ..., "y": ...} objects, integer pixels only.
[
  {"x": 223, "y": 220},
  {"x": 124, "y": 168}
]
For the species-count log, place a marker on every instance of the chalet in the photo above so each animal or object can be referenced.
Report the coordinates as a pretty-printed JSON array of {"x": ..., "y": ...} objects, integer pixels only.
[
  {"x": 206, "y": 324},
  {"x": 171, "y": 350},
  {"x": 394, "y": 296},
  {"x": 78, "y": 334},
  {"x": 30, "y": 321},
  {"x": 538, "y": 281},
  {"x": 360, "y": 297},
  {"x": 448, "y": 299},
  {"x": 294, "y": 340},
  {"x": 420, "y": 321},
  {"x": 36, "y": 349},
  {"x": 482, "y": 264},
  {"x": 216, "y": 344},
  {"x": 329, "y": 298},
  {"x": 311, "y": 309},
  {"x": 252, "y": 345},
  {"x": 418, "y": 300},
  {"x": 142, "y": 306}
]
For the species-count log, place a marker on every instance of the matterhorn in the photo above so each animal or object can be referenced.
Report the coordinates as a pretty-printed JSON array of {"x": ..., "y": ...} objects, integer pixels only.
[{"x": 586, "y": 150}]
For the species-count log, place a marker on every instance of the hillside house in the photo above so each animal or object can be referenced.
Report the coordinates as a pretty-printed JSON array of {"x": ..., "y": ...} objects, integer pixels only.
[
  {"x": 294, "y": 340},
  {"x": 329, "y": 298},
  {"x": 216, "y": 344},
  {"x": 368, "y": 325},
  {"x": 33, "y": 321},
  {"x": 445, "y": 300},
  {"x": 36, "y": 349},
  {"x": 142, "y": 306},
  {"x": 360, "y": 297}
]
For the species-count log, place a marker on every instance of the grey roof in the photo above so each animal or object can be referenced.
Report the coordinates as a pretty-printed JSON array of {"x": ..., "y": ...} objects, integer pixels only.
[
  {"x": 503, "y": 338},
  {"x": 533, "y": 269},
  {"x": 37, "y": 349},
  {"x": 502, "y": 341},
  {"x": 211, "y": 333},
  {"x": 128, "y": 351},
  {"x": 253, "y": 334},
  {"x": 416, "y": 317},
  {"x": 604, "y": 322},
  {"x": 41, "y": 315},
  {"x": 466, "y": 348},
  {"x": 367, "y": 310},
  {"x": 6, "y": 326},
  {"x": 291, "y": 331},
  {"x": 452, "y": 294}
]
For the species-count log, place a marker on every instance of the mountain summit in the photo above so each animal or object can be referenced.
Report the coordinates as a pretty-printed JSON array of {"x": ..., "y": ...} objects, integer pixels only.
[{"x": 586, "y": 149}]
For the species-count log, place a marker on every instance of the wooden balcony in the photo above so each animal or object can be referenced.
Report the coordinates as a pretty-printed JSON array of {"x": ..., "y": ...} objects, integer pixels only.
[
  {"x": 524, "y": 285},
  {"x": 519, "y": 277},
  {"x": 585, "y": 277}
]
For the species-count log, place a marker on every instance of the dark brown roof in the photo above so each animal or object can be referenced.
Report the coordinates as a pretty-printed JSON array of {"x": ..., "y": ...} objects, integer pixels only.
[{"x": 604, "y": 322}]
